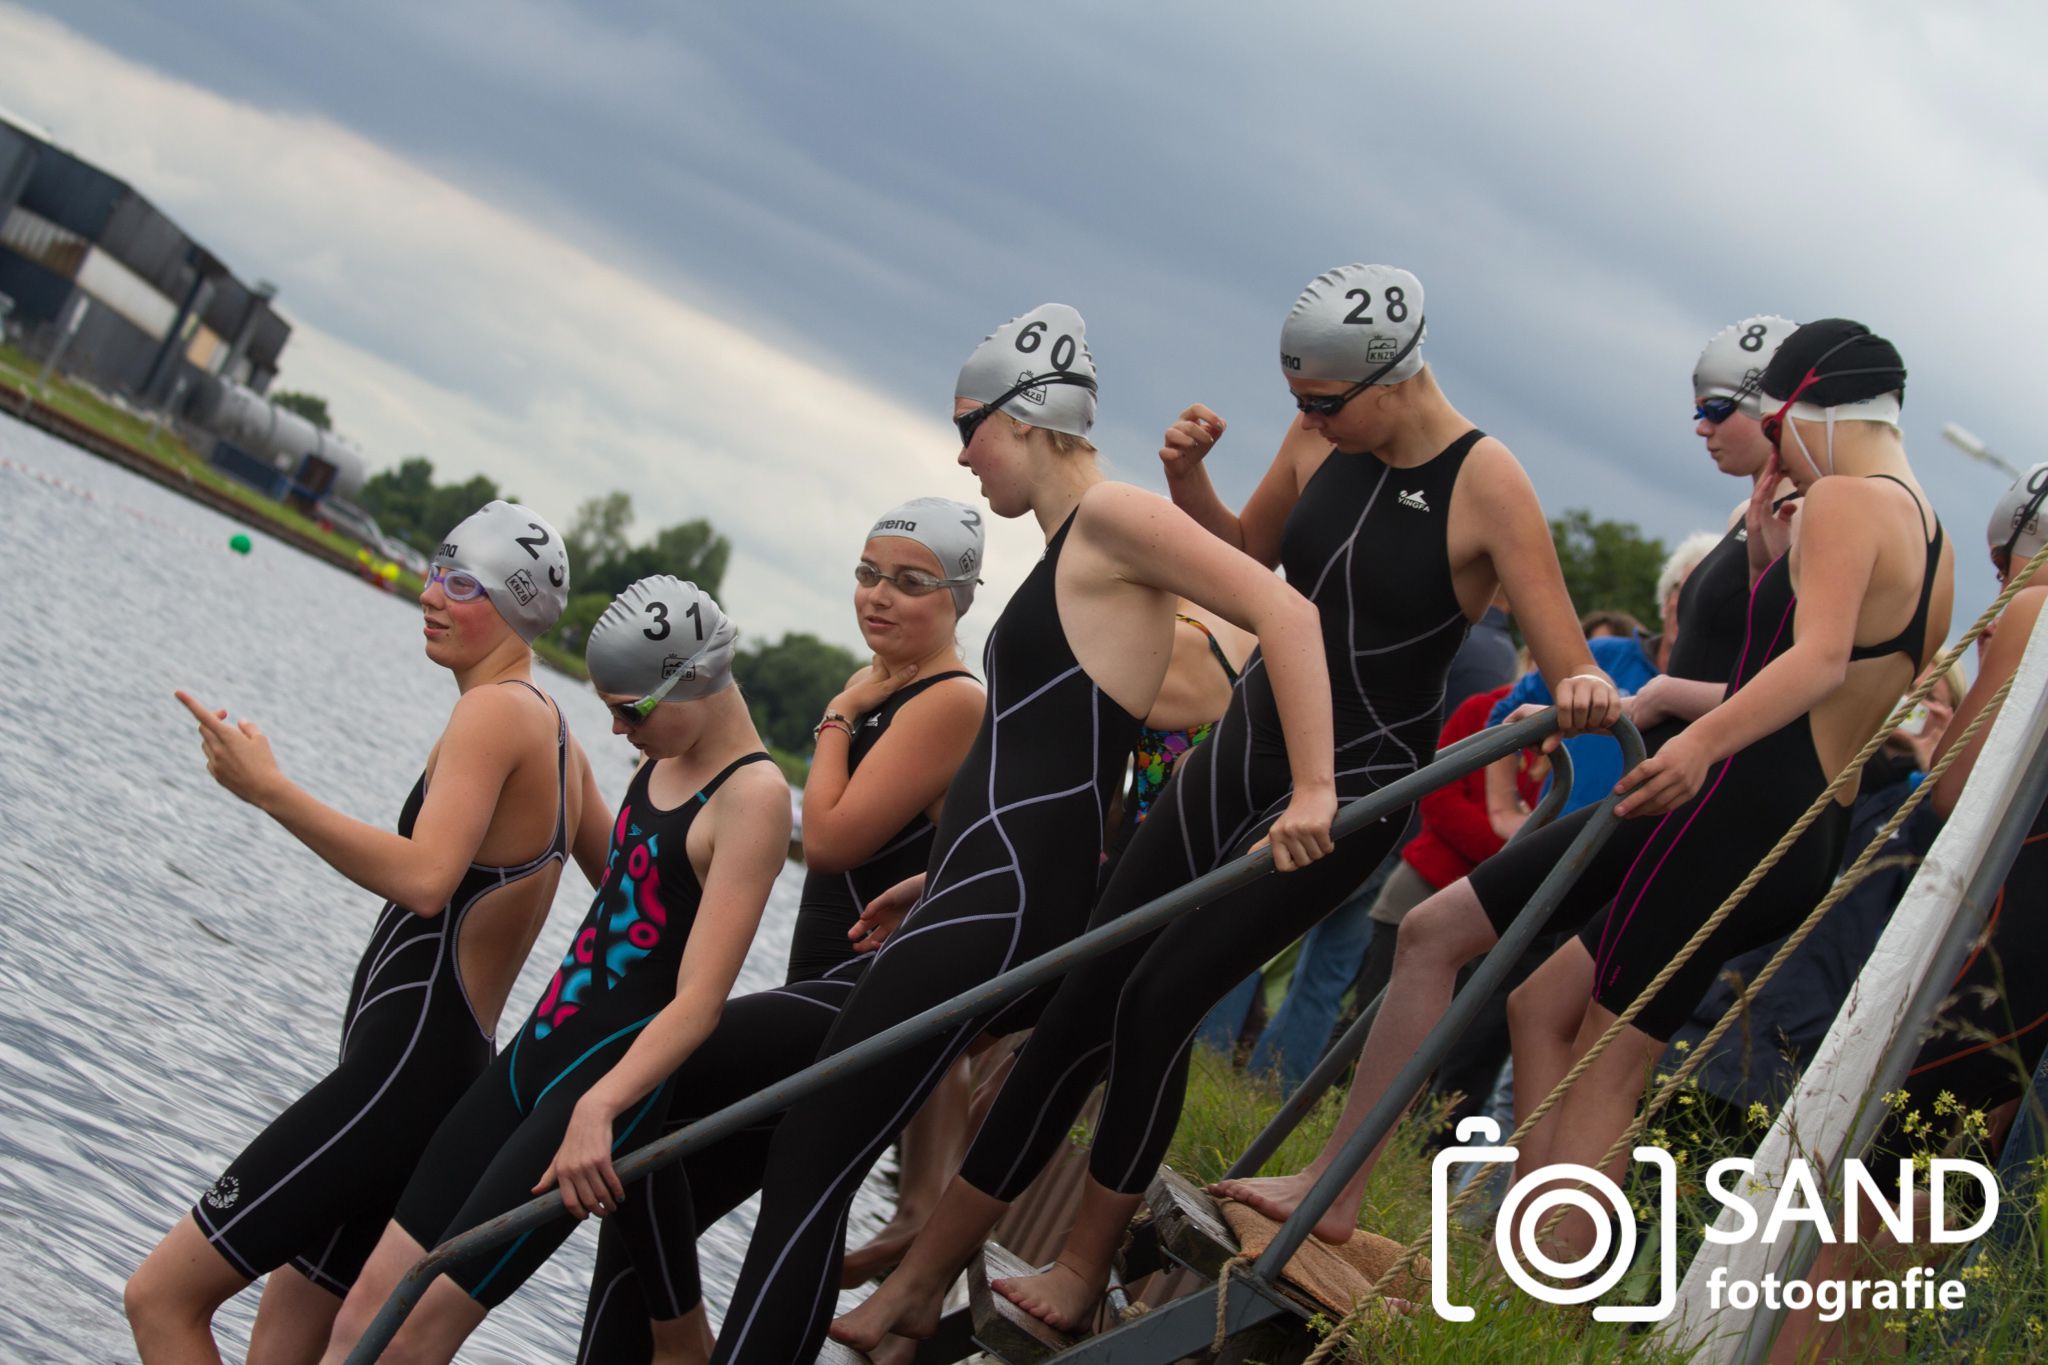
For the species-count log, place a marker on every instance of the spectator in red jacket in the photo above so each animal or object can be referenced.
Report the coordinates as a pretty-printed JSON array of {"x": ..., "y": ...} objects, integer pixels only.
[{"x": 1457, "y": 835}]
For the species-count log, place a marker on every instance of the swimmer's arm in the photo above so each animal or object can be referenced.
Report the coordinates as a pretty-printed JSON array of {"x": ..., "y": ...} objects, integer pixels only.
[
  {"x": 590, "y": 841},
  {"x": 1524, "y": 557},
  {"x": 478, "y": 753},
  {"x": 1685, "y": 699},
  {"x": 750, "y": 841},
  {"x": 847, "y": 819},
  {"x": 1838, "y": 553},
  {"x": 1151, "y": 542},
  {"x": 2001, "y": 660},
  {"x": 1257, "y": 530}
]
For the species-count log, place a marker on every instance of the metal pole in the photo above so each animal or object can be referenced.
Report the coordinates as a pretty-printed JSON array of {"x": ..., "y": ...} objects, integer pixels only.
[
  {"x": 970, "y": 1004},
  {"x": 1351, "y": 1043},
  {"x": 1382, "y": 1117},
  {"x": 1933, "y": 988}
]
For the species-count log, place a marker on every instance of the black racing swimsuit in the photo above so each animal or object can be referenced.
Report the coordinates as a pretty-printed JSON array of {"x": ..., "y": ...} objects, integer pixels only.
[
  {"x": 1012, "y": 873},
  {"x": 619, "y": 972},
  {"x": 1367, "y": 543},
  {"x": 1656, "y": 881},
  {"x": 1713, "y": 625},
  {"x": 646, "y": 1253},
  {"x": 832, "y": 901},
  {"x": 1990, "y": 1034},
  {"x": 316, "y": 1188}
]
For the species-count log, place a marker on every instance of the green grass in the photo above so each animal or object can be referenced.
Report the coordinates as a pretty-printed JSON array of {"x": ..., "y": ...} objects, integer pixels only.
[{"x": 1225, "y": 1109}]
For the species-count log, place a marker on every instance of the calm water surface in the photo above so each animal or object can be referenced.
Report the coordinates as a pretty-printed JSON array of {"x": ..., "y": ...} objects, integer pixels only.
[{"x": 173, "y": 966}]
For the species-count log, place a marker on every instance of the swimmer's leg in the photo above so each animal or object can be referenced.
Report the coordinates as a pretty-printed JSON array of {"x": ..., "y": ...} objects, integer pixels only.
[
  {"x": 1435, "y": 940},
  {"x": 171, "y": 1298},
  {"x": 437, "y": 1327},
  {"x": 1546, "y": 1015},
  {"x": 293, "y": 1321}
]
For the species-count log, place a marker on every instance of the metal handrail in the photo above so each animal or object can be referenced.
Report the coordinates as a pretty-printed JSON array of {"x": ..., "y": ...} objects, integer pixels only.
[
  {"x": 1465, "y": 757},
  {"x": 1190, "y": 1324},
  {"x": 1351, "y": 1043}
]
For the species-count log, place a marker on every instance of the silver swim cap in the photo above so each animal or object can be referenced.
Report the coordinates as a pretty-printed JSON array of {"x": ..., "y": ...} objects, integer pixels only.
[
  {"x": 952, "y": 531},
  {"x": 661, "y": 639},
  {"x": 520, "y": 560},
  {"x": 1037, "y": 369},
  {"x": 1732, "y": 365},
  {"x": 1354, "y": 323},
  {"x": 2016, "y": 522}
]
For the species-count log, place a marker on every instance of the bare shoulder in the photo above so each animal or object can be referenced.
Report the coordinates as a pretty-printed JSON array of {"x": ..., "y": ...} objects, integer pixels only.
[
  {"x": 755, "y": 794},
  {"x": 1117, "y": 516},
  {"x": 1494, "y": 478}
]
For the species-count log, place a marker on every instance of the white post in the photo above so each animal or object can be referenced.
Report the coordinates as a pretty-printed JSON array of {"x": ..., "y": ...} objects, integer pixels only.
[{"x": 1816, "y": 1122}]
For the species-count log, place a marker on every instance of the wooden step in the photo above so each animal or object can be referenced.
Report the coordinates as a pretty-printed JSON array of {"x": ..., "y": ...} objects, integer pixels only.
[
  {"x": 1191, "y": 1231},
  {"x": 1002, "y": 1328},
  {"x": 832, "y": 1353}
]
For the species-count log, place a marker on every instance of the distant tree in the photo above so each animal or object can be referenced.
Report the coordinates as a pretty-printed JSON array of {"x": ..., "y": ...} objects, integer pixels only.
[
  {"x": 1608, "y": 564},
  {"x": 787, "y": 684},
  {"x": 310, "y": 406},
  {"x": 408, "y": 504},
  {"x": 598, "y": 534}
]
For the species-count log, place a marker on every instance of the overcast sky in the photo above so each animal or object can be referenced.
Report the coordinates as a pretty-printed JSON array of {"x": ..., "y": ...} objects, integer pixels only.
[{"x": 730, "y": 258}]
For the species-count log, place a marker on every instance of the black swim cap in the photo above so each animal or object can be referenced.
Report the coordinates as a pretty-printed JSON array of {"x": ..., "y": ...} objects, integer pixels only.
[{"x": 1855, "y": 364}]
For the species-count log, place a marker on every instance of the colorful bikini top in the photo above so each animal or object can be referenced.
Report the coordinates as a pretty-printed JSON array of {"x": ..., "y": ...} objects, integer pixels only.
[{"x": 1157, "y": 751}]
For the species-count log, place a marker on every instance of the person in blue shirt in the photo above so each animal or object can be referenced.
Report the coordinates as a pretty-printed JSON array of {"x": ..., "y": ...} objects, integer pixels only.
[{"x": 1620, "y": 645}]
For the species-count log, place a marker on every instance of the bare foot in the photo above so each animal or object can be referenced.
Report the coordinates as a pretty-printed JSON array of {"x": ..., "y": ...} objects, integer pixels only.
[
  {"x": 881, "y": 1254},
  {"x": 1278, "y": 1196},
  {"x": 896, "y": 1309},
  {"x": 1059, "y": 1296},
  {"x": 894, "y": 1351}
]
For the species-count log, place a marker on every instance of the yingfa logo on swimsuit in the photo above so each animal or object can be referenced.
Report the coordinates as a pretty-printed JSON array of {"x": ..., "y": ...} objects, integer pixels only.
[{"x": 1414, "y": 500}]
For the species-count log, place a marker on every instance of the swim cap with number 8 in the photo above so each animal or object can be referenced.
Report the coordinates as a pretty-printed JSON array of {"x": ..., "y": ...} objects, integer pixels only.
[
  {"x": 1049, "y": 344},
  {"x": 1732, "y": 363},
  {"x": 655, "y": 629},
  {"x": 1353, "y": 323}
]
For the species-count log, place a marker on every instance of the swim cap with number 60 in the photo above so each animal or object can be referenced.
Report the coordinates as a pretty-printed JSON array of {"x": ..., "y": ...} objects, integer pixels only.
[
  {"x": 1049, "y": 345},
  {"x": 518, "y": 557},
  {"x": 1355, "y": 322},
  {"x": 656, "y": 628}
]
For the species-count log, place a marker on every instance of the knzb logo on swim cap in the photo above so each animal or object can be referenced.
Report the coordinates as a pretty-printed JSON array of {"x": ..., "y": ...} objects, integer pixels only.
[
  {"x": 1036, "y": 395},
  {"x": 1381, "y": 350},
  {"x": 671, "y": 662},
  {"x": 522, "y": 585}
]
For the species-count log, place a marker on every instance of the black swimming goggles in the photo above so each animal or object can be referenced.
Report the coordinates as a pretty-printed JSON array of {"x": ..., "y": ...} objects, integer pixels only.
[
  {"x": 1329, "y": 405},
  {"x": 967, "y": 423}
]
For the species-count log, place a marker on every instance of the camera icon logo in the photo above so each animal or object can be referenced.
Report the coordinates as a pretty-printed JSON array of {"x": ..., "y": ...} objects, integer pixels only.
[{"x": 1529, "y": 1205}]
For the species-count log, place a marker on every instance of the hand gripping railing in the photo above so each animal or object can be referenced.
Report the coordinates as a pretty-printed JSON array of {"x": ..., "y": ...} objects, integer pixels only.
[{"x": 1466, "y": 757}]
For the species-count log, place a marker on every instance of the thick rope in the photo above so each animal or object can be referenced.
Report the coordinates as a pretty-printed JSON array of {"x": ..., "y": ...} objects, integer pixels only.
[
  {"x": 1852, "y": 772},
  {"x": 1223, "y": 1295}
]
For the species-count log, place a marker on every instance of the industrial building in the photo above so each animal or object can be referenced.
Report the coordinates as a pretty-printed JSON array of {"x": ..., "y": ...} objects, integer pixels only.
[{"x": 98, "y": 281}]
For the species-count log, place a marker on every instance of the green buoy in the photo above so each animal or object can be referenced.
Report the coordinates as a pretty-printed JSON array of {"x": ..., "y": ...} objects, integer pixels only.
[{"x": 240, "y": 543}]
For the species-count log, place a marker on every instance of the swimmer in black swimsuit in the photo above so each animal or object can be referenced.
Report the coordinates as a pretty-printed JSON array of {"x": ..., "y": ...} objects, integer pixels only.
[
  {"x": 1075, "y": 659},
  {"x": 1461, "y": 921},
  {"x": 695, "y": 849},
  {"x": 887, "y": 747},
  {"x": 1439, "y": 511},
  {"x": 467, "y": 881},
  {"x": 1867, "y": 560},
  {"x": 1992, "y": 1029}
]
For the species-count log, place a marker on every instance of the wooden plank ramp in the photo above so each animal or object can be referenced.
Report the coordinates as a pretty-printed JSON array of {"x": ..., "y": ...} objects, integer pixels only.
[{"x": 1000, "y": 1327}]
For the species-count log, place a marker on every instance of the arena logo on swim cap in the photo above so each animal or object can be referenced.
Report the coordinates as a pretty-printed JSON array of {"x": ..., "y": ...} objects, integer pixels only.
[{"x": 893, "y": 524}]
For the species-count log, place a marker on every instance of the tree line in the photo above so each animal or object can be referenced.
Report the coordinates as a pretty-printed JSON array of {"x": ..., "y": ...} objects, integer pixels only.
[{"x": 1607, "y": 564}]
